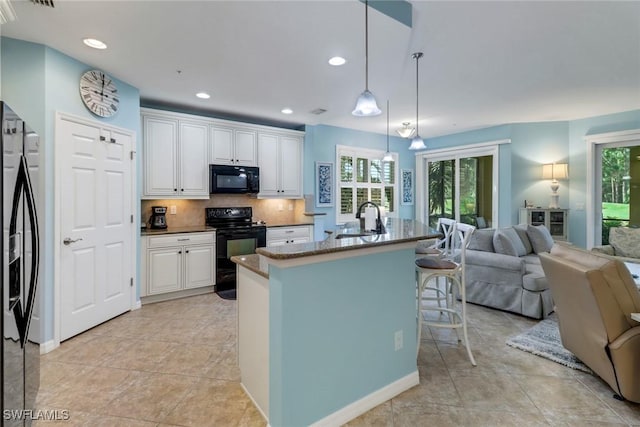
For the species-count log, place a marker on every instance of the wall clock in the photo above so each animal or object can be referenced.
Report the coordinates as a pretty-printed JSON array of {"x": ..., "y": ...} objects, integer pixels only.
[{"x": 99, "y": 93}]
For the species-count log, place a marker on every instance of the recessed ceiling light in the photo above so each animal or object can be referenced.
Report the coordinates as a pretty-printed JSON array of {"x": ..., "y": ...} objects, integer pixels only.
[
  {"x": 337, "y": 60},
  {"x": 203, "y": 95},
  {"x": 94, "y": 43},
  {"x": 287, "y": 111}
]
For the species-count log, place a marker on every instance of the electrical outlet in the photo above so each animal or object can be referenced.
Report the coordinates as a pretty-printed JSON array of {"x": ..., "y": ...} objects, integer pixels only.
[
  {"x": 172, "y": 210},
  {"x": 398, "y": 340},
  {"x": 579, "y": 206}
]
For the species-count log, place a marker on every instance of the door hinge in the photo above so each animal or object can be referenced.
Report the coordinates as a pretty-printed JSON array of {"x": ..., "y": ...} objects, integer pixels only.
[
  {"x": 132, "y": 154},
  {"x": 131, "y": 283}
]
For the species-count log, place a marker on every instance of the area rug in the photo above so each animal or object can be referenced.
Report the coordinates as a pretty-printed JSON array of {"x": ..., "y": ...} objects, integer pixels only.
[{"x": 543, "y": 340}]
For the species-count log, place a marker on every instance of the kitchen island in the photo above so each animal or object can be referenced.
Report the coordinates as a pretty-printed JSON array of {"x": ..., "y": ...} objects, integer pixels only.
[{"x": 327, "y": 330}]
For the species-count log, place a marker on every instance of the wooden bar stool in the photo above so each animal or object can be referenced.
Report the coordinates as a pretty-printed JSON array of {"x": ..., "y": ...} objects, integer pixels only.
[{"x": 431, "y": 268}]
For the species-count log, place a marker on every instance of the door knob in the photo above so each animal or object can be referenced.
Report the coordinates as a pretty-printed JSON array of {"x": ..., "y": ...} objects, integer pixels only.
[{"x": 67, "y": 241}]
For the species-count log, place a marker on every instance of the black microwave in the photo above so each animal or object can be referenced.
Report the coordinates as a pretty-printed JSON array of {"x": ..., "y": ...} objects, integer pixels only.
[{"x": 227, "y": 179}]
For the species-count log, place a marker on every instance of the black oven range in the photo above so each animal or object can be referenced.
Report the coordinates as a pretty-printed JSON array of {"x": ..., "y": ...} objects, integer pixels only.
[{"x": 235, "y": 235}]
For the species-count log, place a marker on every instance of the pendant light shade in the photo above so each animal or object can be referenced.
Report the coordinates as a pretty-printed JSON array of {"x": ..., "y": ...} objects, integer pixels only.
[
  {"x": 387, "y": 156},
  {"x": 406, "y": 131},
  {"x": 366, "y": 104},
  {"x": 417, "y": 143}
]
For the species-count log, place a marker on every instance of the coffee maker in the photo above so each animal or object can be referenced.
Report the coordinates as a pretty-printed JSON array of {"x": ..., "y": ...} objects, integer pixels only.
[{"x": 158, "y": 217}]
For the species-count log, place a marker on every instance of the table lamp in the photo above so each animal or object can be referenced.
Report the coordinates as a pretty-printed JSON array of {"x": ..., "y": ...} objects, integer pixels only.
[{"x": 554, "y": 172}]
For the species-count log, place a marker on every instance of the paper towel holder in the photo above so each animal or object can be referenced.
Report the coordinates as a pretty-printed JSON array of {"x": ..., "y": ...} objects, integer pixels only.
[{"x": 379, "y": 227}]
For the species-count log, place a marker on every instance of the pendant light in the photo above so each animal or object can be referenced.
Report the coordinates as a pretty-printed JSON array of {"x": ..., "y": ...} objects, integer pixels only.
[
  {"x": 406, "y": 131},
  {"x": 387, "y": 156},
  {"x": 366, "y": 104},
  {"x": 417, "y": 143}
]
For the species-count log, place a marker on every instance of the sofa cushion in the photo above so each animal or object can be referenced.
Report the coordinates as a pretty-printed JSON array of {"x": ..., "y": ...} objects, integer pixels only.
[
  {"x": 507, "y": 242},
  {"x": 625, "y": 241},
  {"x": 521, "y": 229},
  {"x": 531, "y": 259},
  {"x": 540, "y": 238},
  {"x": 482, "y": 240}
]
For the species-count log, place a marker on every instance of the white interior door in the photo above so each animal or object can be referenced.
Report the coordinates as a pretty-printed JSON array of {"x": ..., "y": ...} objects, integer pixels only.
[{"x": 96, "y": 229}]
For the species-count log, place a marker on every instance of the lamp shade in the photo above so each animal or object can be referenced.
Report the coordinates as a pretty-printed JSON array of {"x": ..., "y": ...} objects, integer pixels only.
[
  {"x": 366, "y": 105},
  {"x": 555, "y": 171},
  {"x": 406, "y": 131}
]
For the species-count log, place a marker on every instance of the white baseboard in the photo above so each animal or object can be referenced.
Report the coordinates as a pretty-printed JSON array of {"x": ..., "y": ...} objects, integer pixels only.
[
  {"x": 47, "y": 346},
  {"x": 137, "y": 305},
  {"x": 359, "y": 407},
  {"x": 255, "y": 404}
]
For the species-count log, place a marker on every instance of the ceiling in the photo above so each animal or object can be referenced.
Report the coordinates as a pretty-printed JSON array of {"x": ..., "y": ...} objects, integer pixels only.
[{"x": 484, "y": 63}]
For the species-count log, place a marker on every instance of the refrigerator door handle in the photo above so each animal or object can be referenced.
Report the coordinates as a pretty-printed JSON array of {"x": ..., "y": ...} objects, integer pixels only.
[{"x": 23, "y": 184}]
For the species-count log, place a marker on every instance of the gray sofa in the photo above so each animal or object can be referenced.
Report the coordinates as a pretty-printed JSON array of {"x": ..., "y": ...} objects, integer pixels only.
[
  {"x": 624, "y": 245},
  {"x": 503, "y": 270}
]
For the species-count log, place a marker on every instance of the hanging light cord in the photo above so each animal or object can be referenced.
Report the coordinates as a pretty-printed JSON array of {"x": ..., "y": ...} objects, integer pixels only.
[
  {"x": 417, "y": 56},
  {"x": 366, "y": 45},
  {"x": 387, "y": 125}
]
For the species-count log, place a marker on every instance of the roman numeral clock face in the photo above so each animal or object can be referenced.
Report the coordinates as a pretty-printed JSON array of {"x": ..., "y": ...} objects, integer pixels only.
[{"x": 99, "y": 93}]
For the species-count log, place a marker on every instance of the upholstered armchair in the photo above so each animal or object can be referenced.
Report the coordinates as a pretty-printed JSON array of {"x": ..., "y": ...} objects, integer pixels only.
[
  {"x": 624, "y": 244},
  {"x": 594, "y": 298}
]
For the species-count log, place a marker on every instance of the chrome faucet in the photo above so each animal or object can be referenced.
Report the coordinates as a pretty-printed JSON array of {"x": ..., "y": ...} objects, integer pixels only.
[{"x": 379, "y": 227}]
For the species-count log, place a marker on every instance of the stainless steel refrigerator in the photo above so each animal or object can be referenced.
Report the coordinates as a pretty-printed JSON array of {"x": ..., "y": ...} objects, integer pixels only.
[{"x": 20, "y": 372}]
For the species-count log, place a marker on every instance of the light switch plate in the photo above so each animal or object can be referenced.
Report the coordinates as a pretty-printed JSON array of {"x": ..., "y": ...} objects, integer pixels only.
[{"x": 172, "y": 210}]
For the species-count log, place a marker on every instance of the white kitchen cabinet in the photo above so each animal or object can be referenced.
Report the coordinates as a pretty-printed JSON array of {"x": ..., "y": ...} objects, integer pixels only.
[
  {"x": 181, "y": 264},
  {"x": 175, "y": 157},
  {"x": 280, "y": 162},
  {"x": 278, "y": 236},
  {"x": 232, "y": 146}
]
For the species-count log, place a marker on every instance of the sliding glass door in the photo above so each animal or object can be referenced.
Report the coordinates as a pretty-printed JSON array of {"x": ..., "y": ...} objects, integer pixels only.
[
  {"x": 618, "y": 187},
  {"x": 460, "y": 187}
]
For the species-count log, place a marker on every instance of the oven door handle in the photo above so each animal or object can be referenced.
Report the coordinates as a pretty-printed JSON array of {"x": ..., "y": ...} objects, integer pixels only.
[{"x": 234, "y": 235}]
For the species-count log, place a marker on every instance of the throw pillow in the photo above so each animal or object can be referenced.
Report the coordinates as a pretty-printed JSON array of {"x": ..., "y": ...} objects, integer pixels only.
[
  {"x": 625, "y": 241},
  {"x": 507, "y": 242},
  {"x": 482, "y": 240},
  {"x": 521, "y": 229},
  {"x": 540, "y": 238}
]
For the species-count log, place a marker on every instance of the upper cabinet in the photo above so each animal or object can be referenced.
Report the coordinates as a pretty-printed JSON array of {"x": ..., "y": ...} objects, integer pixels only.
[
  {"x": 175, "y": 157},
  {"x": 280, "y": 162},
  {"x": 178, "y": 149},
  {"x": 232, "y": 146}
]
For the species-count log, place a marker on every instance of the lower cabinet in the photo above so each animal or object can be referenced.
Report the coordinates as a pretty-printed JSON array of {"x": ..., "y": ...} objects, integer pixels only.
[
  {"x": 277, "y": 236},
  {"x": 177, "y": 262}
]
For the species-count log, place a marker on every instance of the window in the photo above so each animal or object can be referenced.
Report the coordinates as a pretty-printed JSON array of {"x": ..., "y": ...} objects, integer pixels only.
[{"x": 363, "y": 176}]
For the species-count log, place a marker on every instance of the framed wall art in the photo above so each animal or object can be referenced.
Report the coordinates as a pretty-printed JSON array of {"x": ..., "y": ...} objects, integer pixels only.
[
  {"x": 324, "y": 185},
  {"x": 406, "y": 191}
]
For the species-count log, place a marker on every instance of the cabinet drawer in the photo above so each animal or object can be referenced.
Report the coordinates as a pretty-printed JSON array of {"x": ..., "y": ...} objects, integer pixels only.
[
  {"x": 288, "y": 232},
  {"x": 183, "y": 239}
]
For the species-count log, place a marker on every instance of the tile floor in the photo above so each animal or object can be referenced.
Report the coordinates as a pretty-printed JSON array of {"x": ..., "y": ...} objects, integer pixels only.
[{"x": 174, "y": 364}]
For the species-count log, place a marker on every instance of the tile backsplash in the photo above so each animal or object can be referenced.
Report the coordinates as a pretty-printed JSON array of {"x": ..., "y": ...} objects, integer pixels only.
[{"x": 191, "y": 212}]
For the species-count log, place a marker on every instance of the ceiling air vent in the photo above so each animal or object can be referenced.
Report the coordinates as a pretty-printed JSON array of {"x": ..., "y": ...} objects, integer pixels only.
[
  {"x": 318, "y": 111},
  {"x": 48, "y": 3}
]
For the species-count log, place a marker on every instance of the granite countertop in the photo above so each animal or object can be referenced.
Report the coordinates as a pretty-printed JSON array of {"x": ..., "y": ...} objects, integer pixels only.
[
  {"x": 254, "y": 263},
  {"x": 287, "y": 224},
  {"x": 173, "y": 230},
  {"x": 398, "y": 231}
]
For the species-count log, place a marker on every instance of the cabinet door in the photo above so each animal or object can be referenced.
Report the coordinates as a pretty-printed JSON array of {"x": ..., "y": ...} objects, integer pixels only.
[
  {"x": 245, "y": 148},
  {"x": 198, "y": 265},
  {"x": 290, "y": 167},
  {"x": 161, "y": 155},
  {"x": 221, "y": 145},
  {"x": 164, "y": 270},
  {"x": 268, "y": 163},
  {"x": 194, "y": 167}
]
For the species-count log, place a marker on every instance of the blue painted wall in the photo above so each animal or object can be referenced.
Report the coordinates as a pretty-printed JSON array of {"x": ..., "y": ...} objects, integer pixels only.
[
  {"x": 320, "y": 146},
  {"x": 534, "y": 144},
  {"x": 578, "y": 129},
  {"x": 37, "y": 81},
  {"x": 332, "y": 333}
]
